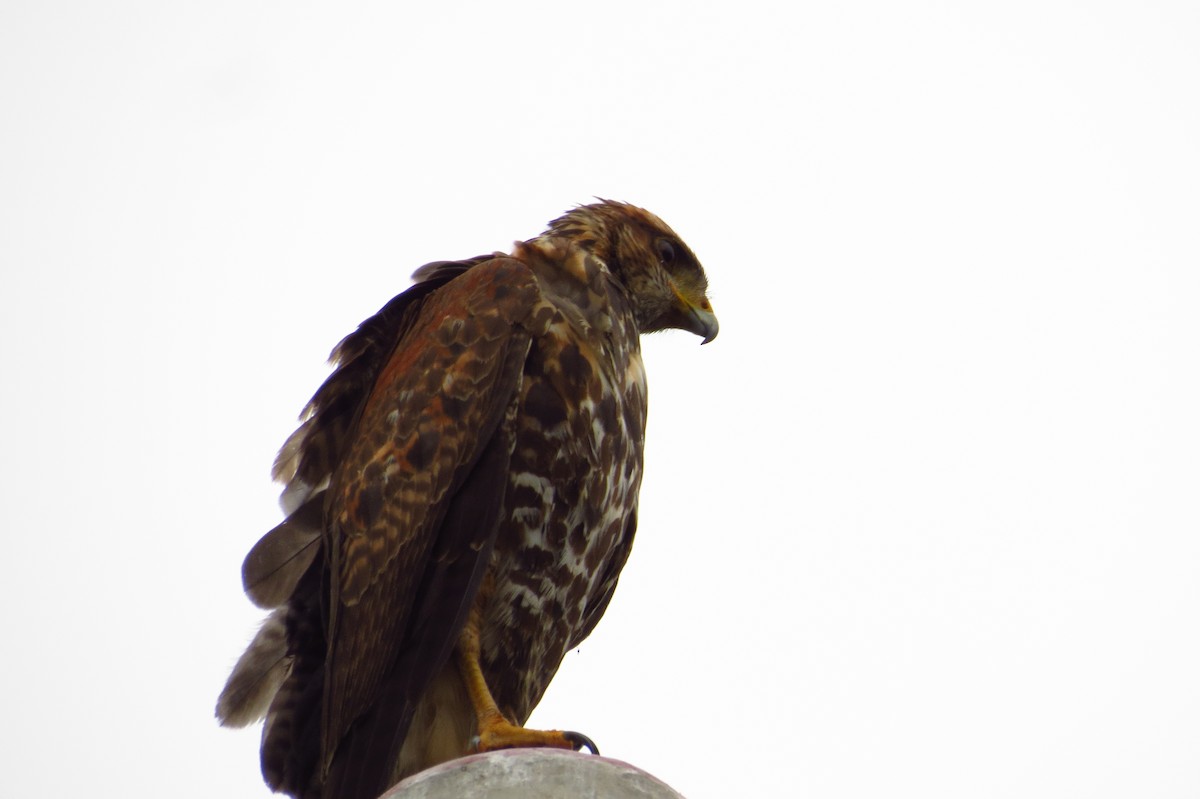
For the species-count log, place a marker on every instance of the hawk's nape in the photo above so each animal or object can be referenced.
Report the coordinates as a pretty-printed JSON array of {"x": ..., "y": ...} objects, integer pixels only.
[{"x": 461, "y": 498}]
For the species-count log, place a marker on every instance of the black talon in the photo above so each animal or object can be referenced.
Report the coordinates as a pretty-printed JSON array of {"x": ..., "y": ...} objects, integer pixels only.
[{"x": 579, "y": 740}]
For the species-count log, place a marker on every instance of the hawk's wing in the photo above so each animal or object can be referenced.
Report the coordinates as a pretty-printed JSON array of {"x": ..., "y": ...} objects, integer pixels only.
[
  {"x": 413, "y": 508},
  {"x": 406, "y": 450}
]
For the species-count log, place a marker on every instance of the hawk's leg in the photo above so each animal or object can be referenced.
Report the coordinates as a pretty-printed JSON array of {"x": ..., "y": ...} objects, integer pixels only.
[{"x": 495, "y": 731}]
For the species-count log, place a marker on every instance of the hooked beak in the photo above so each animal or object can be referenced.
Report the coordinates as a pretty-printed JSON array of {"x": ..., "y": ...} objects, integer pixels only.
[
  {"x": 704, "y": 324},
  {"x": 696, "y": 317}
]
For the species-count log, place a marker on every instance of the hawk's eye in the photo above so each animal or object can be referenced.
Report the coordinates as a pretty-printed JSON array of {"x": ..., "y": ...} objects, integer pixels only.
[{"x": 666, "y": 252}]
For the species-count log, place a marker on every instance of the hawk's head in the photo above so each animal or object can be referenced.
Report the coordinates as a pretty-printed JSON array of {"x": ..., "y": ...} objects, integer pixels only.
[{"x": 664, "y": 279}]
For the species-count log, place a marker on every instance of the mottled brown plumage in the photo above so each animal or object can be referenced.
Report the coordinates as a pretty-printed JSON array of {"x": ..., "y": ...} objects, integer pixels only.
[{"x": 461, "y": 498}]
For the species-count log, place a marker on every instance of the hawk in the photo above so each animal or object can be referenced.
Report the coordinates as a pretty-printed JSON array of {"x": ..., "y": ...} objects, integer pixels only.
[{"x": 461, "y": 496}]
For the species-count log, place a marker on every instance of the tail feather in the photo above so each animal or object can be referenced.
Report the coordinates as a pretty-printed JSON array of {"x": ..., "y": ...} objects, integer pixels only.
[
  {"x": 292, "y": 732},
  {"x": 256, "y": 678}
]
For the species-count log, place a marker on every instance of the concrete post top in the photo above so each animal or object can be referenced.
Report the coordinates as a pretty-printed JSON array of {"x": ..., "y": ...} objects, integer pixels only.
[{"x": 532, "y": 774}]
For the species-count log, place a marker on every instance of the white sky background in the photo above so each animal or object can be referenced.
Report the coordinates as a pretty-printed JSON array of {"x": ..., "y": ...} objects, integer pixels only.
[{"x": 922, "y": 522}]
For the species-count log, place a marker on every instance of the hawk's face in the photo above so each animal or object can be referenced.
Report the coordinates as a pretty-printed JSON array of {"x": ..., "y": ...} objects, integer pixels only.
[{"x": 665, "y": 281}]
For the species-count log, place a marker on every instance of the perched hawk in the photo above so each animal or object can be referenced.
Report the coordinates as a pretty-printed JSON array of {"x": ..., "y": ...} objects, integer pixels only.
[{"x": 461, "y": 498}]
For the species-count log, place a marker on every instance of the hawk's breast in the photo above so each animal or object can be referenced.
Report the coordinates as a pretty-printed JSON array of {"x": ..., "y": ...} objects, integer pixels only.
[{"x": 570, "y": 502}]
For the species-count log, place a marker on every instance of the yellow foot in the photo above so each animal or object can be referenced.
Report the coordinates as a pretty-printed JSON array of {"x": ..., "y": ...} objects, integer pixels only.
[{"x": 499, "y": 734}]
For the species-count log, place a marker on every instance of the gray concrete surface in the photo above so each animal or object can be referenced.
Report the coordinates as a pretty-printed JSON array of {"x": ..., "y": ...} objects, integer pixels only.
[{"x": 533, "y": 774}]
